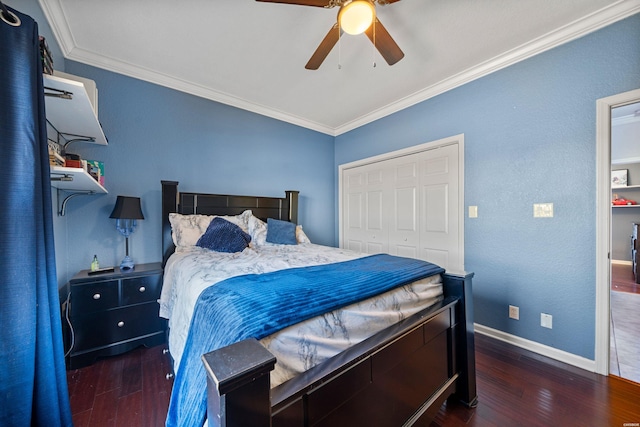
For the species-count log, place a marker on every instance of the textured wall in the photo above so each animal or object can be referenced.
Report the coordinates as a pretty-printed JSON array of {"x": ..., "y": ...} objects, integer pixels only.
[
  {"x": 529, "y": 138},
  {"x": 157, "y": 133}
]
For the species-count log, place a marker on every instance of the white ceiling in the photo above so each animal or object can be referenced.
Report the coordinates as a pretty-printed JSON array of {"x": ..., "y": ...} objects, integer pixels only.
[{"x": 251, "y": 55}]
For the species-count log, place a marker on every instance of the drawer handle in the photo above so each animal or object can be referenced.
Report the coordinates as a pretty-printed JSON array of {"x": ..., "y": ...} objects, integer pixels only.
[
  {"x": 142, "y": 289},
  {"x": 96, "y": 296},
  {"x": 120, "y": 324}
]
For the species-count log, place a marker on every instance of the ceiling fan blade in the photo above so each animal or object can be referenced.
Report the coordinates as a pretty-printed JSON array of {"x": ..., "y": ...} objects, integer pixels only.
[
  {"x": 325, "y": 47},
  {"x": 317, "y": 3},
  {"x": 385, "y": 44}
]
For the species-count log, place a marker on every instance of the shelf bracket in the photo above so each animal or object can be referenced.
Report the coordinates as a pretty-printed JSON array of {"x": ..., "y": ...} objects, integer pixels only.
[
  {"x": 63, "y": 139},
  {"x": 63, "y": 205}
]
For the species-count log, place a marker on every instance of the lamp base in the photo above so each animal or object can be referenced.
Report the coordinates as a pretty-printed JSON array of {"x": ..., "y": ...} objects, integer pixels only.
[{"x": 127, "y": 264}]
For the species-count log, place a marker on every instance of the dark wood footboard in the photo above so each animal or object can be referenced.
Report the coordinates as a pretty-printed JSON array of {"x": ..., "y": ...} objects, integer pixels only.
[{"x": 400, "y": 376}]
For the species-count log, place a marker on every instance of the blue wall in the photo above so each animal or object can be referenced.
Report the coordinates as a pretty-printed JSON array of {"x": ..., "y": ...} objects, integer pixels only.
[
  {"x": 529, "y": 138},
  {"x": 157, "y": 133}
]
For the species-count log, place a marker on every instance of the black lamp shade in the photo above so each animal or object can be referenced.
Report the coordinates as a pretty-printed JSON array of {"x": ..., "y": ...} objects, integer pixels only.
[{"x": 127, "y": 208}]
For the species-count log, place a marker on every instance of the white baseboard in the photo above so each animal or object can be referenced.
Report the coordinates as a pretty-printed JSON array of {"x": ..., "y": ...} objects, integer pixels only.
[{"x": 553, "y": 353}]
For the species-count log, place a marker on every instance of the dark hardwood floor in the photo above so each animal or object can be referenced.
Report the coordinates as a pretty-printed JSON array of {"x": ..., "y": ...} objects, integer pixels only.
[
  {"x": 622, "y": 279},
  {"x": 515, "y": 388},
  {"x": 126, "y": 390}
]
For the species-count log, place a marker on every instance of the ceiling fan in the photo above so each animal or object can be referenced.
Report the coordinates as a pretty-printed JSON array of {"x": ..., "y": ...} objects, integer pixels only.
[{"x": 354, "y": 17}]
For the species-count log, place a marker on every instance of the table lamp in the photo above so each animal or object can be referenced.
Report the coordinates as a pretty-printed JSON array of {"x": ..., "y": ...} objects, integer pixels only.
[{"x": 126, "y": 211}]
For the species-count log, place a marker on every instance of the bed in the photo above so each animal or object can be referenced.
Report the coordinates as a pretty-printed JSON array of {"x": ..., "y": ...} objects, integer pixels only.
[{"x": 389, "y": 356}]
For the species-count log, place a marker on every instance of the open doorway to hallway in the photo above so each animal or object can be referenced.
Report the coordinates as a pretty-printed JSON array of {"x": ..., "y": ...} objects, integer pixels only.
[{"x": 625, "y": 219}]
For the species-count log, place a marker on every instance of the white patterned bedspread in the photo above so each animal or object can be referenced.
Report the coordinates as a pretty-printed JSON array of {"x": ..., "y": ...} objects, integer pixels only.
[{"x": 299, "y": 347}]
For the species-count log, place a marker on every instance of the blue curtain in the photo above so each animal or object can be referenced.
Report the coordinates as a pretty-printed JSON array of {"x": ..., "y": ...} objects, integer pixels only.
[{"x": 33, "y": 387}]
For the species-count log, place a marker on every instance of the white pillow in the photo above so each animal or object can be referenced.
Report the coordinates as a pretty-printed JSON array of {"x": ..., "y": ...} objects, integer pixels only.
[
  {"x": 257, "y": 229},
  {"x": 187, "y": 229},
  {"x": 301, "y": 237}
]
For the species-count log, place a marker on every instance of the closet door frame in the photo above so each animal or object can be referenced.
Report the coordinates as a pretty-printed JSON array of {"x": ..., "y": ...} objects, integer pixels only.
[{"x": 433, "y": 145}]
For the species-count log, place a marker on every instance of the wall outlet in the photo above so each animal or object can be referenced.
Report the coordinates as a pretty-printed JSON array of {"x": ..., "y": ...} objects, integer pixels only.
[
  {"x": 546, "y": 320},
  {"x": 514, "y": 312}
]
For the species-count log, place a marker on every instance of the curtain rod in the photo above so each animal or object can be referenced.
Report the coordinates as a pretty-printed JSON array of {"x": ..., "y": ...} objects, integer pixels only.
[{"x": 8, "y": 16}]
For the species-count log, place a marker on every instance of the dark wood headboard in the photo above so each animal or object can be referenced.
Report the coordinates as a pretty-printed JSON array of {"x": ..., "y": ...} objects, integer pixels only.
[{"x": 285, "y": 208}]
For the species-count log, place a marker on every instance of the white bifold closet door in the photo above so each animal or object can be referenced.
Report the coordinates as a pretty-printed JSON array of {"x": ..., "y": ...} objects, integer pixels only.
[{"x": 406, "y": 205}]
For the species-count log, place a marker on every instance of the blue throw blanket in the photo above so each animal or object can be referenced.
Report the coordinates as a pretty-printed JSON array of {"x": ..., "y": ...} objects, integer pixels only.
[{"x": 257, "y": 305}]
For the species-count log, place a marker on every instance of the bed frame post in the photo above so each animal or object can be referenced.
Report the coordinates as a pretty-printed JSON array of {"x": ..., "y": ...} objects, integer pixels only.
[
  {"x": 169, "y": 204},
  {"x": 459, "y": 286},
  {"x": 238, "y": 384},
  {"x": 292, "y": 200}
]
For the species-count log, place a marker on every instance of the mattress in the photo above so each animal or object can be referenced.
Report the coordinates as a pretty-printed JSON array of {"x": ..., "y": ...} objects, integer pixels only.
[{"x": 297, "y": 348}]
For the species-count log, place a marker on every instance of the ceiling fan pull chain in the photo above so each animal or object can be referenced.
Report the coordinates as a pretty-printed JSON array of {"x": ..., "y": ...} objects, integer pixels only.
[
  {"x": 339, "y": 50},
  {"x": 373, "y": 49}
]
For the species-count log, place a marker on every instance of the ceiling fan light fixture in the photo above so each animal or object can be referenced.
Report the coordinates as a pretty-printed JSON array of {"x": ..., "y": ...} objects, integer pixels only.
[{"x": 356, "y": 16}]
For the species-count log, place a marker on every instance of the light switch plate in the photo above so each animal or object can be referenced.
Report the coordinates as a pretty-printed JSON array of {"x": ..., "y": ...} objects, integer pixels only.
[
  {"x": 543, "y": 210},
  {"x": 473, "y": 212},
  {"x": 546, "y": 320}
]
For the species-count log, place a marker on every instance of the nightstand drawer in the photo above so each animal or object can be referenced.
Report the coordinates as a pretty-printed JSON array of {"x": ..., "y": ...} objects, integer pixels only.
[
  {"x": 141, "y": 289},
  {"x": 94, "y": 297},
  {"x": 113, "y": 326}
]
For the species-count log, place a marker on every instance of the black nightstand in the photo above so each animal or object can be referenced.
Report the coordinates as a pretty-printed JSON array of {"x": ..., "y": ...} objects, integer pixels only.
[{"x": 111, "y": 313}]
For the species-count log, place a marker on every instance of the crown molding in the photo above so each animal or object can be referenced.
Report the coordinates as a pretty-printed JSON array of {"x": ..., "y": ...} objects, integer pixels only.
[
  {"x": 57, "y": 20},
  {"x": 155, "y": 77},
  {"x": 581, "y": 27},
  {"x": 55, "y": 15}
]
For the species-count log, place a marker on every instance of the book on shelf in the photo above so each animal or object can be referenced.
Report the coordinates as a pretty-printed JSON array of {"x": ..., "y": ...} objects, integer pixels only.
[
  {"x": 55, "y": 159},
  {"x": 96, "y": 170},
  {"x": 45, "y": 56},
  {"x": 73, "y": 163}
]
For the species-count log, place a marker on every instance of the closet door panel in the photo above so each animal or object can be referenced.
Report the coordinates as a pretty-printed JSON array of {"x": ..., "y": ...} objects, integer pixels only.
[
  {"x": 376, "y": 224},
  {"x": 435, "y": 206},
  {"x": 439, "y": 192},
  {"x": 354, "y": 210},
  {"x": 435, "y": 256},
  {"x": 365, "y": 205},
  {"x": 355, "y": 221},
  {"x": 403, "y": 210}
]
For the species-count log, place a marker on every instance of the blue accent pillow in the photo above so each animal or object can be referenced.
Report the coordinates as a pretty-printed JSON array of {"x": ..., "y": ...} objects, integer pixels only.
[
  {"x": 224, "y": 236},
  {"x": 281, "y": 232}
]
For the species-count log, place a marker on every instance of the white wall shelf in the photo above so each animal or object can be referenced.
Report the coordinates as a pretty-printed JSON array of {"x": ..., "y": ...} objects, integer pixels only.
[
  {"x": 71, "y": 115},
  {"x": 75, "y": 180},
  {"x": 628, "y": 187}
]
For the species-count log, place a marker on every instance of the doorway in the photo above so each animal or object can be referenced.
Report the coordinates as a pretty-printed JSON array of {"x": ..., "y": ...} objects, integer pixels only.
[
  {"x": 606, "y": 251},
  {"x": 625, "y": 292}
]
